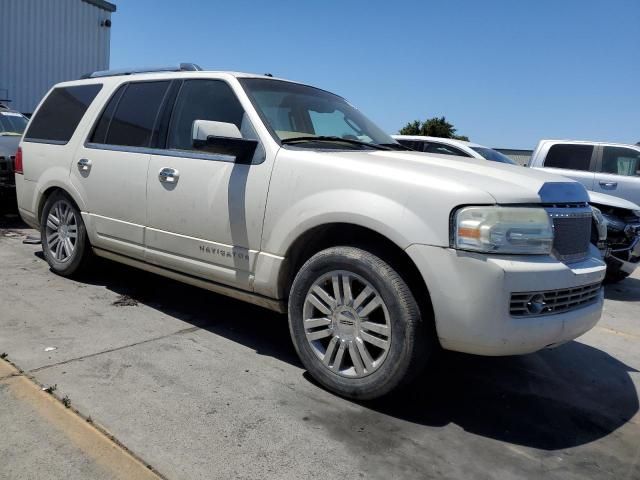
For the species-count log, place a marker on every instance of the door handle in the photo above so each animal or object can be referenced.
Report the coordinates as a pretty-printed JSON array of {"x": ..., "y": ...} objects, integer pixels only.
[
  {"x": 609, "y": 185},
  {"x": 84, "y": 164},
  {"x": 168, "y": 175}
]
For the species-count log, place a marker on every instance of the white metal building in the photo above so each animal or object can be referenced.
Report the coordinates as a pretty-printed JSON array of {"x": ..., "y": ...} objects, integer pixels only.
[{"x": 43, "y": 42}]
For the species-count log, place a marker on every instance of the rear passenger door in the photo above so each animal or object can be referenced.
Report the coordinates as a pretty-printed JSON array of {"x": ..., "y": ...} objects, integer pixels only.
[
  {"x": 110, "y": 169},
  {"x": 576, "y": 161},
  {"x": 207, "y": 220},
  {"x": 618, "y": 172}
]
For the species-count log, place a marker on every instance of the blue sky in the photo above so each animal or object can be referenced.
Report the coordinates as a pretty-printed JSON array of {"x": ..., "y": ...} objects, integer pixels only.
[{"x": 506, "y": 73}]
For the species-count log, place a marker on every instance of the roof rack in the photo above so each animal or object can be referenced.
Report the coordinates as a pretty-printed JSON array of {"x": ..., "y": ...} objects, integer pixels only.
[{"x": 183, "y": 67}]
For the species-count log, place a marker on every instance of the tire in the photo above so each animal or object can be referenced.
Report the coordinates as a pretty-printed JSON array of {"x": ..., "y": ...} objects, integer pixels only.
[
  {"x": 615, "y": 276},
  {"x": 385, "y": 320},
  {"x": 614, "y": 273},
  {"x": 66, "y": 255}
]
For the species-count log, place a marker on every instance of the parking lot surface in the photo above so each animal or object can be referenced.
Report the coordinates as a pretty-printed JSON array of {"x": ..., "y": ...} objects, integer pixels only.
[{"x": 201, "y": 386}]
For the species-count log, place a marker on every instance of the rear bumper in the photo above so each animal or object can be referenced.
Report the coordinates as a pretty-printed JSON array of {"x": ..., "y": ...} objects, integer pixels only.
[
  {"x": 24, "y": 189},
  {"x": 471, "y": 293}
]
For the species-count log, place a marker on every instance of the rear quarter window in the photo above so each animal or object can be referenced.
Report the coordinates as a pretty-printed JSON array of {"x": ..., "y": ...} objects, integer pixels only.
[{"x": 59, "y": 116}]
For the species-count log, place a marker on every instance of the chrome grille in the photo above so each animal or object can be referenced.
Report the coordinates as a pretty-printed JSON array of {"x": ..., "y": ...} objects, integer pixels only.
[
  {"x": 548, "y": 302},
  {"x": 571, "y": 232}
]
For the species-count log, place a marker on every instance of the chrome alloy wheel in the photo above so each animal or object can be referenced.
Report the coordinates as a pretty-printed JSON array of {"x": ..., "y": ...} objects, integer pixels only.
[
  {"x": 61, "y": 231},
  {"x": 347, "y": 324}
]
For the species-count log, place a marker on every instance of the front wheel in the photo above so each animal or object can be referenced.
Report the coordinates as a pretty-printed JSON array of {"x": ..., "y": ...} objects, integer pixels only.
[
  {"x": 356, "y": 325},
  {"x": 64, "y": 238}
]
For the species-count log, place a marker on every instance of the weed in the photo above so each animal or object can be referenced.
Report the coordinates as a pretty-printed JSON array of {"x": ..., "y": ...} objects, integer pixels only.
[
  {"x": 4, "y": 355},
  {"x": 66, "y": 401},
  {"x": 51, "y": 388}
]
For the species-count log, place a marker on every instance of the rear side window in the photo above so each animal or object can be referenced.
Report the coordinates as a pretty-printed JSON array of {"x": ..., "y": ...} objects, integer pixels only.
[
  {"x": 621, "y": 161},
  {"x": 410, "y": 143},
  {"x": 100, "y": 132},
  {"x": 572, "y": 157},
  {"x": 443, "y": 149},
  {"x": 129, "y": 117},
  {"x": 61, "y": 112}
]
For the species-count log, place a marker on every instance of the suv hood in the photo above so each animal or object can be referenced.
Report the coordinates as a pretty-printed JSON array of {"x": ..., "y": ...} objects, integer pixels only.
[{"x": 505, "y": 183}]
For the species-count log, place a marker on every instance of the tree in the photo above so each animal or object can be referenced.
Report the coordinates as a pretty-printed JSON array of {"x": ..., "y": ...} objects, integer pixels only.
[{"x": 432, "y": 127}]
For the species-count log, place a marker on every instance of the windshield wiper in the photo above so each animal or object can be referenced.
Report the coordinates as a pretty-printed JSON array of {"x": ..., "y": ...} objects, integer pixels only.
[
  {"x": 9, "y": 134},
  {"x": 327, "y": 138}
]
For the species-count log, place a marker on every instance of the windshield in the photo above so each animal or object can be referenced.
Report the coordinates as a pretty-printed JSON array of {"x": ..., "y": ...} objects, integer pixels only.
[
  {"x": 493, "y": 155},
  {"x": 312, "y": 118},
  {"x": 12, "y": 123}
]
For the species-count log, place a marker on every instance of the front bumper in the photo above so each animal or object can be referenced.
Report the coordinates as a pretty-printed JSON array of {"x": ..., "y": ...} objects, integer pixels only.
[
  {"x": 625, "y": 259},
  {"x": 471, "y": 293}
]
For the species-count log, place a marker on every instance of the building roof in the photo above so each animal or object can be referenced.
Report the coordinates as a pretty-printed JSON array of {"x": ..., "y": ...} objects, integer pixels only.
[{"x": 104, "y": 5}]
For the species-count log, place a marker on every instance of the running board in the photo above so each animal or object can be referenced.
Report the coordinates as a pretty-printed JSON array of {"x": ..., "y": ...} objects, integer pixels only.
[{"x": 261, "y": 301}]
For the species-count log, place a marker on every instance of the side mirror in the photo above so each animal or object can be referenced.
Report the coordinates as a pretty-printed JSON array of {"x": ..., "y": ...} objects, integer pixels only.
[{"x": 223, "y": 138}]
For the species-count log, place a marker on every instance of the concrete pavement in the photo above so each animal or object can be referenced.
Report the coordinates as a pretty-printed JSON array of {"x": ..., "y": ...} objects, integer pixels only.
[
  {"x": 200, "y": 386},
  {"x": 43, "y": 439}
]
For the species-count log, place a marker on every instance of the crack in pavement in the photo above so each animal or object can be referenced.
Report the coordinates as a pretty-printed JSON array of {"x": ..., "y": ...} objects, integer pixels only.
[
  {"x": 100, "y": 449},
  {"x": 115, "y": 349}
]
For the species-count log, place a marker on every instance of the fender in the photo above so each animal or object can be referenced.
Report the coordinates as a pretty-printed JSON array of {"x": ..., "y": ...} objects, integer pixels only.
[{"x": 365, "y": 209}]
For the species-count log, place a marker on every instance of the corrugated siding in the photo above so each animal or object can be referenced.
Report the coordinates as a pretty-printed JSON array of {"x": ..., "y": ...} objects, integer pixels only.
[
  {"x": 522, "y": 157},
  {"x": 43, "y": 42}
]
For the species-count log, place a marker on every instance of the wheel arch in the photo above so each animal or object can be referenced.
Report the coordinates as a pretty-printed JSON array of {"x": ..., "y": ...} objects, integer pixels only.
[
  {"x": 48, "y": 191},
  {"x": 329, "y": 235}
]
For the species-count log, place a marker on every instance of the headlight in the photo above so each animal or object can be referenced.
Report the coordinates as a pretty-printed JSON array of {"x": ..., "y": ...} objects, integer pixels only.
[
  {"x": 600, "y": 223},
  {"x": 520, "y": 230}
]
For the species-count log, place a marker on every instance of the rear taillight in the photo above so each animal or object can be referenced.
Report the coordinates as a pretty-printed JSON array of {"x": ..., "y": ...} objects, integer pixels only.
[{"x": 18, "y": 163}]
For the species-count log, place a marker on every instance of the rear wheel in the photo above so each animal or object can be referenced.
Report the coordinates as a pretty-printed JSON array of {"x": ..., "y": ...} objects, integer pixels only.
[
  {"x": 355, "y": 324},
  {"x": 64, "y": 238}
]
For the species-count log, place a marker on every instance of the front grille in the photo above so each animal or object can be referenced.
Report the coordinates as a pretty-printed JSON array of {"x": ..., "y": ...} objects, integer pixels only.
[
  {"x": 571, "y": 233},
  {"x": 524, "y": 304}
]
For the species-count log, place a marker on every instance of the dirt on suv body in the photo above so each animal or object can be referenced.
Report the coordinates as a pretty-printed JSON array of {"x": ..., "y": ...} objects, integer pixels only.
[{"x": 285, "y": 195}]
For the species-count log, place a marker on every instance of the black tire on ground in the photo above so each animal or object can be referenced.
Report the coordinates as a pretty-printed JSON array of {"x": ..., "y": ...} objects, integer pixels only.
[
  {"x": 411, "y": 344},
  {"x": 614, "y": 275},
  {"x": 81, "y": 254}
]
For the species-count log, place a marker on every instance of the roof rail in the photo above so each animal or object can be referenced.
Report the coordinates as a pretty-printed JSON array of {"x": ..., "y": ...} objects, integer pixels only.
[{"x": 183, "y": 67}]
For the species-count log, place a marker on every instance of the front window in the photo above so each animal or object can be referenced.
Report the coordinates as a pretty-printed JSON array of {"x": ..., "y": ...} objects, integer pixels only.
[
  {"x": 12, "y": 123},
  {"x": 569, "y": 156},
  {"x": 494, "y": 156},
  {"x": 312, "y": 118}
]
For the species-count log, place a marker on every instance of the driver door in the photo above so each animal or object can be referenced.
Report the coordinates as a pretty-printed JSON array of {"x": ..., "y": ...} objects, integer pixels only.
[{"x": 204, "y": 210}]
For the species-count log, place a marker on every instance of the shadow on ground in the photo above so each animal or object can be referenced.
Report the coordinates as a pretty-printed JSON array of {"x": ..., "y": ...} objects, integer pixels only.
[
  {"x": 9, "y": 218},
  {"x": 550, "y": 400},
  {"x": 628, "y": 290}
]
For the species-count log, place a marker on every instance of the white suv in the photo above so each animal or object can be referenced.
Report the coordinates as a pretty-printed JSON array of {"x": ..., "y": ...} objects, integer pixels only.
[{"x": 285, "y": 195}]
